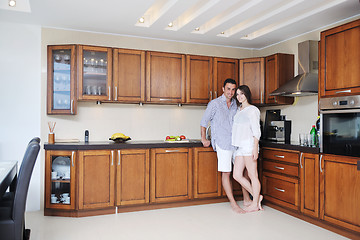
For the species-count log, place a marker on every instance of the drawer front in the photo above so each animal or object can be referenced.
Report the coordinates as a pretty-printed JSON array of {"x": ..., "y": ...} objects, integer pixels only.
[
  {"x": 280, "y": 189},
  {"x": 281, "y": 168},
  {"x": 290, "y": 157}
]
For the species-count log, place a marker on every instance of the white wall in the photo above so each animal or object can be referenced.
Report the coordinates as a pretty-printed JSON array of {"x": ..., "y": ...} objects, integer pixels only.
[{"x": 20, "y": 48}]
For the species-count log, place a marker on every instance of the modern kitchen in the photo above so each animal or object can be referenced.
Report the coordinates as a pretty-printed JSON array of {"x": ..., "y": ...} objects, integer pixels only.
[{"x": 116, "y": 94}]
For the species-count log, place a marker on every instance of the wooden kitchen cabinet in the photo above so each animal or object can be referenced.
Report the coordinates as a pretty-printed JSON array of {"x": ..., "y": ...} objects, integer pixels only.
[
  {"x": 60, "y": 179},
  {"x": 280, "y": 177},
  {"x": 94, "y": 73},
  {"x": 61, "y": 81},
  {"x": 309, "y": 184},
  {"x": 170, "y": 174},
  {"x": 207, "y": 179},
  {"x": 223, "y": 69},
  {"x": 132, "y": 176},
  {"x": 165, "y": 77},
  {"x": 199, "y": 79},
  {"x": 340, "y": 60},
  {"x": 252, "y": 74},
  {"x": 279, "y": 68},
  {"x": 128, "y": 76},
  {"x": 96, "y": 179},
  {"x": 340, "y": 191}
]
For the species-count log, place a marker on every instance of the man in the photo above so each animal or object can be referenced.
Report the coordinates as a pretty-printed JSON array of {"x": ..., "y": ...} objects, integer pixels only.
[{"x": 220, "y": 113}]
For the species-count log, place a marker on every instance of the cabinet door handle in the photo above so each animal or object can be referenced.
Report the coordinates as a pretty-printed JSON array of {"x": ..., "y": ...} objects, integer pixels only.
[
  {"x": 115, "y": 93},
  {"x": 280, "y": 168},
  {"x": 280, "y": 190},
  {"x": 321, "y": 170},
  {"x": 171, "y": 150},
  {"x": 72, "y": 158},
  {"x": 119, "y": 157},
  {"x": 344, "y": 91},
  {"x": 279, "y": 156},
  {"x": 215, "y": 94},
  {"x": 112, "y": 158},
  {"x": 301, "y": 160},
  {"x": 165, "y": 99},
  {"x": 210, "y": 95},
  {"x": 72, "y": 106},
  {"x": 109, "y": 93},
  {"x": 261, "y": 97}
]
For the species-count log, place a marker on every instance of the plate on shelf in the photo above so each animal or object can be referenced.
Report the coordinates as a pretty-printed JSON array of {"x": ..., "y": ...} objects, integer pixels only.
[{"x": 61, "y": 165}]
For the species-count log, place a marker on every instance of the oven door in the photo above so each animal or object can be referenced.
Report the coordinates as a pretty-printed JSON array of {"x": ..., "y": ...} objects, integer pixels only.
[{"x": 341, "y": 132}]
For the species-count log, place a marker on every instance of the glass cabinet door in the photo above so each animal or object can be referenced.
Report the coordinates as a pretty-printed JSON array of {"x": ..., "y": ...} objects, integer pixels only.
[
  {"x": 95, "y": 73},
  {"x": 60, "y": 179},
  {"x": 61, "y": 80}
]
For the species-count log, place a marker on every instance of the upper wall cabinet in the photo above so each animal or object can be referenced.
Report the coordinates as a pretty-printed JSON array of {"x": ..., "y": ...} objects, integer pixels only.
[
  {"x": 199, "y": 83},
  {"x": 94, "y": 73},
  {"x": 340, "y": 60},
  {"x": 129, "y": 75},
  {"x": 61, "y": 98},
  {"x": 165, "y": 77},
  {"x": 279, "y": 68},
  {"x": 252, "y": 74},
  {"x": 224, "y": 68}
]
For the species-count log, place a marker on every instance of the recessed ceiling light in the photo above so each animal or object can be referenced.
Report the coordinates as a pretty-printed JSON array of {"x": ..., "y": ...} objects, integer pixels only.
[
  {"x": 12, "y": 3},
  {"x": 141, "y": 20},
  {"x": 222, "y": 33},
  {"x": 170, "y": 24},
  {"x": 197, "y": 29}
]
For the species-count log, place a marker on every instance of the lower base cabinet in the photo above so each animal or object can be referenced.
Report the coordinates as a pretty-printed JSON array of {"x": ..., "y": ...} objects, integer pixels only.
[
  {"x": 207, "y": 179},
  {"x": 281, "y": 190},
  {"x": 96, "y": 179},
  {"x": 309, "y": 184},
  {"x": 340, "y": 191},
  {"x": 132, "y": 177},
  {"x": 170, "y": 175}
]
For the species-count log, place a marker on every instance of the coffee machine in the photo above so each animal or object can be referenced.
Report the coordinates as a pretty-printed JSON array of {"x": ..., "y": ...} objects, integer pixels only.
[{"x": 276, "y": 127}]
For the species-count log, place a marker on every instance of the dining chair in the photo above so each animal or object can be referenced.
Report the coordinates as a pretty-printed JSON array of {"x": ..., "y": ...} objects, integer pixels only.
[{"x": 12, "y": 216}]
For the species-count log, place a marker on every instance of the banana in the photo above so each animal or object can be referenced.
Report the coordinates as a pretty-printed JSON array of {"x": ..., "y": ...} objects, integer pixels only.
[{"x": 119, "y": 136}]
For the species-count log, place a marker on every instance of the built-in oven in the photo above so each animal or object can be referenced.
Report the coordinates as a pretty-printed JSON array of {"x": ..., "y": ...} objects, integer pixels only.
[{"x": 340, "y": 125}]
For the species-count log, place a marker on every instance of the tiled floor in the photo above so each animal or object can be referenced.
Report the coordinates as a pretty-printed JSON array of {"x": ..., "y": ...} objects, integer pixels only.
[{"x": 211, "y": 221}]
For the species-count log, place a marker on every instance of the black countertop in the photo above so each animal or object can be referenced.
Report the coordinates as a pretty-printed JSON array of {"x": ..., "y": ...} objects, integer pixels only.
[
  {"x": 132, "y": 144},
  {"x": 125, "y": 145},
  {"x": 289, "y": 146}
]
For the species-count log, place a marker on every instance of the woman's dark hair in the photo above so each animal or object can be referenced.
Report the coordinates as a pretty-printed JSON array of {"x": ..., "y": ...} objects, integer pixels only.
[
  {"x": 246, "y": 91},
  {"x": 229, "y": 80}
]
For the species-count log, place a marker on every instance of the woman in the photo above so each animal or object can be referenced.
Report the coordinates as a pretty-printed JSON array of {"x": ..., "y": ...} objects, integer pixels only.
[{"x": 245, "y": 137}]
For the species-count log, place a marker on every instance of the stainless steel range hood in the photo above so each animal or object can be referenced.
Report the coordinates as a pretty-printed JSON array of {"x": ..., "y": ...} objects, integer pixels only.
[{"x": 306, "y": 83}]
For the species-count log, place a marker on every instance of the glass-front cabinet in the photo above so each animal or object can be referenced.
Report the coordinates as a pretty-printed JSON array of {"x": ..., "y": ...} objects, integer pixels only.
[
  {"x": 94, "y": 73},
  {"x": 60, "y": 179},
  {"x": 61, "y": 80}
]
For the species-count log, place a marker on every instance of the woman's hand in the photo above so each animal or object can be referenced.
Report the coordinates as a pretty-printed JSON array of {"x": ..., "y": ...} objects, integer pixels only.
[{"x": 255, "y": 152}]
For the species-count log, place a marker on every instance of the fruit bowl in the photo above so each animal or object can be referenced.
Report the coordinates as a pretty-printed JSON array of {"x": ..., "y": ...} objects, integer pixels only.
[{"x": 120, "y": 140}]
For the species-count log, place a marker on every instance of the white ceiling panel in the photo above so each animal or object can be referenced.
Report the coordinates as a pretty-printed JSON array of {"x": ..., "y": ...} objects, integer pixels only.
[{"x": 236, "y": 23}]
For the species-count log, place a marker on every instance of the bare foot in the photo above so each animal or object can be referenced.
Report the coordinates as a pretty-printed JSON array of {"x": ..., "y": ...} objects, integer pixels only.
[
  {"x": 260, "y": 199},
  {"x": 236, "y": 208},
  {"x": 252, "y": 208},
  {"x": 247, "y": 203}
]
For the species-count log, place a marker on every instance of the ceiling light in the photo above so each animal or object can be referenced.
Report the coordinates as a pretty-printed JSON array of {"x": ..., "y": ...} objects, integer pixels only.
[
  {"x": 222, "y": 33},
  {"x": 197, "y": 29},
  {"x": 141, "y": 20},
  {"x": 12, "y": 3},
  {"x": 170, "y": 24}
]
